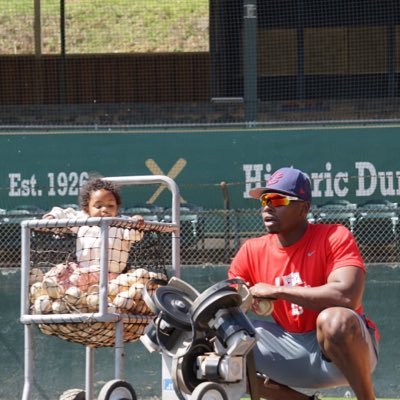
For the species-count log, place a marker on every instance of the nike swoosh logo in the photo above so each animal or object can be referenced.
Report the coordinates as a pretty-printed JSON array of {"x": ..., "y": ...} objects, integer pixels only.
[{"x": 310, "y": 253}]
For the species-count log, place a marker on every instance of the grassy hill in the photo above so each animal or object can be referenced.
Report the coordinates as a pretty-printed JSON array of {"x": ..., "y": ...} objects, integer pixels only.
[{"x": 106, "y": 26}]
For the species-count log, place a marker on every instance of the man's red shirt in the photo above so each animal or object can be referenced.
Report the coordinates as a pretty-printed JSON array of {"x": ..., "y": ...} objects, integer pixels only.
[{"x": 322, "y": 249}]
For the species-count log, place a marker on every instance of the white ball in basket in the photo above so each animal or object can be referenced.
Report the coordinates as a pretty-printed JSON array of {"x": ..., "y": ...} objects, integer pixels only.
[
  {"x": 35, "y": 275},
  {"x": 59, "y": 306},
  {"x": 72, "y": 295},
  {"x": 92, "y": 300},
  {"x": 36, "y": 290},
  {"x": 52, "y": 288},
  {"x": 113, "y": 288},
  {"x": 112, "y": 308},
  {"x": 131, "y": 278},
  {"x": 135, "y": 291},
  {"x": 124, "y": 301},
  {"x": 123, "y": 280},
  {"x": 264, "y": 307},
  {"x": 141, "y": 273},
  {"x": 42, "y": 305}
]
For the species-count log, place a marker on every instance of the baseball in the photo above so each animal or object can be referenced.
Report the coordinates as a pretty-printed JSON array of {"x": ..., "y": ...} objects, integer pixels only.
[
  {"x": 135, "y": 291},
  {"x": 122, "y": 300},
  {"x": 141, "y": 273},
  {"x": 35, "y": 275},
  {"x": 94, "y": 289},
  {"x": 131, "y": 278},
  {"x": 123, "y": 280},
  {"x": 92, "y": 300},
  {"x": 112, "y": 308},
  {"x": 53, "y": 289},
  {"x": 264, "y": 307},
  {"x": 36, "y": 290},
  {"x": 72, "y": 295},
  {"x": 59, "y": 307},
  {"x": 113, "y": 288},
  {"x": 42, "y": 305}
]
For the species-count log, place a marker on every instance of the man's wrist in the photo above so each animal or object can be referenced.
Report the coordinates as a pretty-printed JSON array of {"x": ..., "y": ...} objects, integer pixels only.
[{"x": 279, "y": 292}]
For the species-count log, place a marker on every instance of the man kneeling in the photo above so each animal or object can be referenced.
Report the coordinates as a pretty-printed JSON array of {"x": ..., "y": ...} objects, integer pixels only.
[{"x": 315, "y": 276}]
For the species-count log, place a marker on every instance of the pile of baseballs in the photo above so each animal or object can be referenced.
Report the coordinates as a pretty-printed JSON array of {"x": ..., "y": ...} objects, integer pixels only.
[{"x": 125, "y": 294}]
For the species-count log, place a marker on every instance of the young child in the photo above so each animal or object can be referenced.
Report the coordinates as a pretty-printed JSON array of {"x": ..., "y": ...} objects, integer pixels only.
[{"x": 98, "y": 198}]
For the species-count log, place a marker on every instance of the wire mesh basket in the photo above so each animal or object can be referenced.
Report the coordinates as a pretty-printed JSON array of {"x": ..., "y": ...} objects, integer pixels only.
[{"x": 67, "y": 292}]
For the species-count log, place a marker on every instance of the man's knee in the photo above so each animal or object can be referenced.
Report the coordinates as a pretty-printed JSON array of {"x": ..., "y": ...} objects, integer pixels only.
[{"x": 337, "y": 325}]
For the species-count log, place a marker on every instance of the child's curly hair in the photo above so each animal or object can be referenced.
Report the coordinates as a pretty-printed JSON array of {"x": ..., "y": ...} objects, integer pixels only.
[{"x": 92, "y": 185}]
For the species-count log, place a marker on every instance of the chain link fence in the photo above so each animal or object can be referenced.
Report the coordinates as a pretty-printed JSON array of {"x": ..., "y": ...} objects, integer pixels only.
[
  {"x": 214, "y": 236},
  {"x": 197, "y": 62}
]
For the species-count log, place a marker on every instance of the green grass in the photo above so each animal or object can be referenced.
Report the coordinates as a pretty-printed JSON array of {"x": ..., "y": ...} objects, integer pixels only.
[{"x": 107, "y": 26}]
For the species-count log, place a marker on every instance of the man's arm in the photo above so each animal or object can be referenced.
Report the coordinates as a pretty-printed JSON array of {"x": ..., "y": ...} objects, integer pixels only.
[{"x": 344, "y": 288}]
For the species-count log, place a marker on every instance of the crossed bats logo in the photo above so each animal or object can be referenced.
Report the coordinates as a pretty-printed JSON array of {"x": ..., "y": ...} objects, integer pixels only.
[{"x": 175, "y": 170}]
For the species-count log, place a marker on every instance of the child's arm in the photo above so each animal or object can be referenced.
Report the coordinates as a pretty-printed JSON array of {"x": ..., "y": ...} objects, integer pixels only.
[{"x": 58, "y": 212}]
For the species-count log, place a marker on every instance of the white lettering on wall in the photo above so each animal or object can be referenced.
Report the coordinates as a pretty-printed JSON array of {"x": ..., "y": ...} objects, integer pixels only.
[
  {"x": 366, "y": 180},
  {"x": 58, "y": 184},
  {"x": 386, "y": 185},
  {"x": 252, "y": 176},
  {"x": 328, "y": 181},
  {"x": 316, "y": 179},
  {"x": 22, "y": 187},
  {"x": 341, "y": 191},
  {"x": 361, "y": 167}
]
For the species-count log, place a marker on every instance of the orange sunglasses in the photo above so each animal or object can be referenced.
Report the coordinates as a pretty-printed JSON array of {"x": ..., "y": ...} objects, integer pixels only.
[{"x": 276, "y": 199}]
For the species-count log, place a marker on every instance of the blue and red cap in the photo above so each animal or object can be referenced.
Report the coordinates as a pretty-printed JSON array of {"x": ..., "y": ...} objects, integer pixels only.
[{"x": 289, "y": 181}]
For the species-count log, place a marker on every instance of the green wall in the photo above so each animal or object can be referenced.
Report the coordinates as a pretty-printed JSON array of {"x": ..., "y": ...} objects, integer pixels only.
[
  {"x": 45, "y": 168},
  {"x": 60, "y": 365}
]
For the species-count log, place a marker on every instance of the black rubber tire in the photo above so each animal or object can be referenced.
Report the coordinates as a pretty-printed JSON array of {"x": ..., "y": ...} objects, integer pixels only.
[
  {"x": 117, "y": 390},
  {"x": 73, "y": 394}
]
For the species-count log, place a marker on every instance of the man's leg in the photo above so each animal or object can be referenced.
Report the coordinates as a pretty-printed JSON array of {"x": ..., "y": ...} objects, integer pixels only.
[
  {"x": 260, "y": 386},
  {"x": 345, "y": 342},
  {"x": 268, "y": 389}
]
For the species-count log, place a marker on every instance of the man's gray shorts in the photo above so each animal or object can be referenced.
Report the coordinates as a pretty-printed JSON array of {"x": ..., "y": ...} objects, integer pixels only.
[{"x": 295, "y": 359}]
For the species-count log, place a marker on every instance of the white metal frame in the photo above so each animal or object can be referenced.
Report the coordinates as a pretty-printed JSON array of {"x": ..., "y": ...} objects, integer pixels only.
[{"x": 102, "y": 315}]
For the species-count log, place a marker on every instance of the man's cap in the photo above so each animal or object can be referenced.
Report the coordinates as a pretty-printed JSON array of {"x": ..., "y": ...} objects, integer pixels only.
[{"x": 289, "y": 181}]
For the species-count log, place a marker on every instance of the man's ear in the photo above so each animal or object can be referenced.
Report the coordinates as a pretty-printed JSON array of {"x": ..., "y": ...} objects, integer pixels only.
[{"x": 306, "y": 205}]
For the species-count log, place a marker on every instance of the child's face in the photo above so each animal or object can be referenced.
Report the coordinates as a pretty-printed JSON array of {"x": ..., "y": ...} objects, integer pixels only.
[{"x": 102, "y": 203}]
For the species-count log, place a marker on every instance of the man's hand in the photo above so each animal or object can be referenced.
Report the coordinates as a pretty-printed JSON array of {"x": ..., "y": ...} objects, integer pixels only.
[
  {"x": 263, "y": 290},
  {"x": 138, "y": 218},
  {"x": 263, "y": 296}
]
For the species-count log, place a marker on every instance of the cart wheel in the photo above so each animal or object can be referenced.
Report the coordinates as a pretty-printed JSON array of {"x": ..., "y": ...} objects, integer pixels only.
[
  {"x": 117, "y": 390},
  {"x": 209, "y": 391},
  {"x": 73, "y": 394}
]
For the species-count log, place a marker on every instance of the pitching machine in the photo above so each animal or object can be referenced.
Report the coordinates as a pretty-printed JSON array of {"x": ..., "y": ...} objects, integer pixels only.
[{"x": 204, "y": 338}]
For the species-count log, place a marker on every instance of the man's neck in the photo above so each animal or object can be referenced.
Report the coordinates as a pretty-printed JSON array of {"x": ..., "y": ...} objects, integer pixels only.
[{"x": 288, "y": 238}]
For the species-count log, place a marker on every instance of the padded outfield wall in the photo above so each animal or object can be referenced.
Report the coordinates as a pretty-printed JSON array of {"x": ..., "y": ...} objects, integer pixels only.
[{"x": 44, "y": 168}]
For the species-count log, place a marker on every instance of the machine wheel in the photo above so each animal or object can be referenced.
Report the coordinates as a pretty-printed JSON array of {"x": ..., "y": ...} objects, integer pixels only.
[
  {"x": 185, "y": 379},
  {"x": 117, "y": 390},
  {"x": 73, "y": 394},
  {"x": 175, "y": 306},
  {"x": 209, "y": 391}
]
